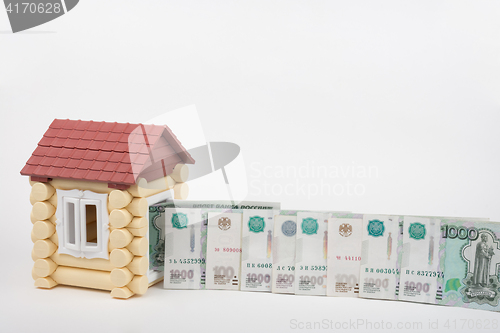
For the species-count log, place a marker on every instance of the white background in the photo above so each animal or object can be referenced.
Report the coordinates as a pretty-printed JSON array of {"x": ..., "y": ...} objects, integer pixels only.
[{"x": 411, "y": 88}]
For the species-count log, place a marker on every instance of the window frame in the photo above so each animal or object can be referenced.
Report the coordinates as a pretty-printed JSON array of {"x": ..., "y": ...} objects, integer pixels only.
[{"x": 81, "y": 248}]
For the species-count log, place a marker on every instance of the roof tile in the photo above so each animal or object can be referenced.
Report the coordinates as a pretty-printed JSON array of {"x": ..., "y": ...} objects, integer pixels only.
[
  {"x": 66, "y": 173},
  {"x": 78, "y": 154},
  {"x": 110, "y": 166},
  {"x": 107, "y": 127},
  {"x": 105, "y": 176},
  {"x": 121, "y": 147},
  {"x": 114, "y": 137},
  {"x": 73, "y": 163},
  {"x": 64, "y": 133},
  {"x": 116, "y": 157},
  {"x": 58, "y": 123},
  {"x": 96, "y": 145},
  {"x": 53, "y": 152},
  {"x": 51, "y": 132},
  {"x": 101, "y": 136},
  {"x": 79, "y": 174},
  {"x": 103, "y": 156},
  {"x": 97, "y": 165},
  {"x": 109, "y": 146},
  {"x": 92, "y": 174},
  {"x": 84, "y": 144},
  {"x": 85, "y": 164},
  {"x": 45, "y": 141},
  {"x": 47, "y": 161},
  {"x": 34, "y": 160},
  {"x": 81, "y": 125},
  {"x": 90, "y": 154},
  {"x": 88, "y": 135},
  {"x": 76, "y": 134},
  {"x": 61, "y": 162},
  {"x": 94, "y": 125},
  {"x": 58, "y": 142},
  {"x": 71, "y": 143}
]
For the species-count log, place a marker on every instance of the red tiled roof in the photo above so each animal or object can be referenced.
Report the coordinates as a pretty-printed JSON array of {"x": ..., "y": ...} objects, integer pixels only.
[{"x": 105, "y": 152}]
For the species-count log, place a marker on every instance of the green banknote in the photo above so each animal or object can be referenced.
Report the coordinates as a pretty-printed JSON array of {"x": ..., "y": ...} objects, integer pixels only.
[
  {"x": 311, "y": 251},
  {"x": 451, "y": 262},
  {"x": 380, "y": 248},
  {"x": 185, "y": 248},
  {"x": 256, "y": 246}
]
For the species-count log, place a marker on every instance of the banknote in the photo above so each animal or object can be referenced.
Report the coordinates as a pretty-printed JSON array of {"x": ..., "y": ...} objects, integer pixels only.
[
  {"x": 223, "y": 250},
  {"x": 185, "y": 248},
  {"x": 311, "y": 251},
  {"x": 344, "y": 256},
  {"x": 452, "y": 262},
  {"x": 256, "y": 245},
  {"x": 156, "y": 238},
  {"x": 283, "y": 277},
  {"x": 380, "y": 248}
]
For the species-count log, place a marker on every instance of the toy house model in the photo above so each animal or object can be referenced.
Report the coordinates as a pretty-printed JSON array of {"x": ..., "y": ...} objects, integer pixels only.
[{"x": 92, "y": 185}]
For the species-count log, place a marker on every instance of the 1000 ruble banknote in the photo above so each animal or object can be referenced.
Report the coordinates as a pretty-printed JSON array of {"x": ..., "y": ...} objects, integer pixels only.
[
  {"x": 256, "y": 246},
  {"x": 451, "y": 262},
  {"x": 379, "y": 269}
]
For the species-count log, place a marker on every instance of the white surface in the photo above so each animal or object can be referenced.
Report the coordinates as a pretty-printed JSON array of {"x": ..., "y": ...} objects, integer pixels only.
[{"x": 407, "y": 91}]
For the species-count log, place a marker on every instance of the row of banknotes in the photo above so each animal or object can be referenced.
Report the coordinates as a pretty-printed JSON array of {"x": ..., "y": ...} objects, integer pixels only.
[{"x": 436, "y": 260}]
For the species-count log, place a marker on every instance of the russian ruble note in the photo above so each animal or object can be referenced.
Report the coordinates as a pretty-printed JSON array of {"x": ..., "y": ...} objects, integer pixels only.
[
  {"x": 223, "y": 251},
  {"x": 283, "y": 277},
  {"x": 256, "y": 245},
  {"x": 453, "y": 262},
  {"x": 156, "y": 239},
  {"x": 344, "y": 256},
  {"x": 421, "y": 237},
  {"x": 311, "y": 252},
  {"x": 380, "y": 248},
  {"x": 185, "y": 248},
  {"x": 420, "y": 243}
]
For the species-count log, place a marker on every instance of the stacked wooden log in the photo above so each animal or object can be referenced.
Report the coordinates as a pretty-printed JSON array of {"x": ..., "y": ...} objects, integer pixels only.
[
  {"x": 44, "y": 200},
  {"x": 128, "y": 244}
]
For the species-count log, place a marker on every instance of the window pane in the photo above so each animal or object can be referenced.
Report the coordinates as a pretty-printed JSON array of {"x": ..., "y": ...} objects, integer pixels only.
[
  {"x": 91, "y": 220},
  {"x": 70, "y": 208}
]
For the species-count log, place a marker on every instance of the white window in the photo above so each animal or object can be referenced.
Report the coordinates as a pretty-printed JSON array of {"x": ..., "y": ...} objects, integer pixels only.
[{"x": 82, "y": 224}]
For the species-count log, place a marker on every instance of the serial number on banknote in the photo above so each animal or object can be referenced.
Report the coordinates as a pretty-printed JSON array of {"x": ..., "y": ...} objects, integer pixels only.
[
  {"x": 191, "y": 261},
  {"x": 426, "y": 273},
  {"x": 382, "y": 270},
  {"x": 285, "y": 268},
  {"x": 312, "y": 268},
  {"x": 259, "y": 265},
  {"x": 349, "y": 258},
  {"x": 227, "y": 249}
]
